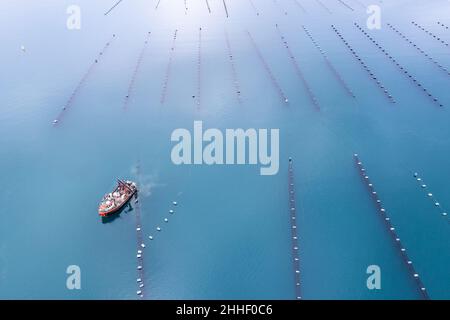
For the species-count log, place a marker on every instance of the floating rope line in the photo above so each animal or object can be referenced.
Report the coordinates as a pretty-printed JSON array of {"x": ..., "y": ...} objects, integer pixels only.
[
  {"x": 75, "y": 92},
  {"x": 294, "y": 241},
  {"x": 324, "y": 6},
  {"x": 346, "y": 5},
  {"x": 443, "y": 25},
  {"x": 112, "y": 8},
  {"x": 431, "y": 34},
  {"x": 400, "y": 67},
  {"x": 298, "y": 71},
  {"x": 364, "y": 65},
  {"x": 135, "y": 72},
  {"x": 254, "y": 7},
  {"x": 279, "y": 7},
  {"x": 329, "y": 64},
  {"x": 225, "y": 7},
  {"x": 157, "y": 5},
  {"x": 168, "y": 69},
  {"x": 419, "y": 49},
  {"x": 436, "y": 203},
  {"x": 207, "y": 4},
  {"x": 300, "y": 6},
  {"x": 233, "y": 69},
  {"x": 140, "y": 242},
  {"x": 267, "y": 68},
  {"x": 199, "y": 68},
  {"x": 390, "y": 228}
]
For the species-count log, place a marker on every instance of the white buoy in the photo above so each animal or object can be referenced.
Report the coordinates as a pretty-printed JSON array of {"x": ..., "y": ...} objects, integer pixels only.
[
  {"x": 139, "y": 292},
  {"x": 174, "y": 203},
  {"x": 142, "y": 245},
  {"x": 166, "y": 220},
  {"x": 444, "y": 213},
  {"x": 138, "y": 256},
  {"x": 139, "y": 267},
  {"x": 141, "y": 285},
  {"x": 171, "y": 211},
  {"x": 158, "y": 228},
  {"x": 138, "y": 280},
  {"x": 55, "y": 121},
  {"x": 138, "y": 229},
  {"x": 139, "y": 251},
  {"x": 150, "y": 237},
  {"x": 22, "y": 47}
]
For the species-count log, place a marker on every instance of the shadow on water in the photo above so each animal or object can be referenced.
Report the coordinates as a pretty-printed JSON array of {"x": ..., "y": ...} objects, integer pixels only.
[{"x": 125, "y": 209}]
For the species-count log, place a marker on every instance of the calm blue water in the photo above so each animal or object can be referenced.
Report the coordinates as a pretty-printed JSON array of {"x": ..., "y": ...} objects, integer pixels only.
[{"x": 230, "y": 235}]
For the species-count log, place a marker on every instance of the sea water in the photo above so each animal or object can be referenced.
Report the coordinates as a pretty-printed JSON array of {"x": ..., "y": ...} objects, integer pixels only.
[{"x": 229, "y": 237}]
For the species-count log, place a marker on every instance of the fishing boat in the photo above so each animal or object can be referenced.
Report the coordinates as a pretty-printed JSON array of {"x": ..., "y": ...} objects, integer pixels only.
[{"x": 116, "y": 200}]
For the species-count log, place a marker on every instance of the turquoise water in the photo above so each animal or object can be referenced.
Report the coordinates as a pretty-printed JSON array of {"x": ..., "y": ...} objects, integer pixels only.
[{"x": 230, "y": 235}]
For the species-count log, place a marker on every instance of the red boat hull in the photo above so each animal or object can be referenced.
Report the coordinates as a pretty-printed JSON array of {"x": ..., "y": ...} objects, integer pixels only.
[{"x": 116, "y": 209}]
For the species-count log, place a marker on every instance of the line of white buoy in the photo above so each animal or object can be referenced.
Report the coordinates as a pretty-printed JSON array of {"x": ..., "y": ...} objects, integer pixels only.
[
  {"x": 140, "y": 241},
  {"x": 439, "y": 65},
  {"x": 390, "y": 228},
  {"x": 207, "y": 5},
  {"x": 199, "y": 69},
  {"x": 442, "y": 25},
  {"x": 431, "y": 34},
  {"x": 329, "y": 64},
  {"x": 294, "y": 233},
  {"x": 166, "y": 220},
  {"x": 364, "y": 65},
  {"x": 399, "y": 66},
  {"x": 135, "y": 72},
  {"x": 168, "y": 69},
  {"x": 430, "y": 195},
  {"x": 268, "y": 70},
  {"x": 298, "y": 70},
  {"x": 233, "y": 69},
  {"x": 75, "y": 92}
]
